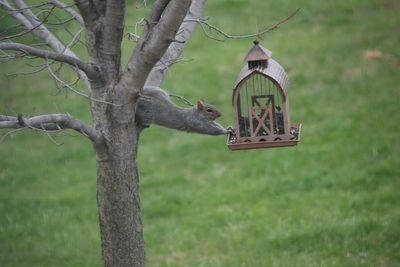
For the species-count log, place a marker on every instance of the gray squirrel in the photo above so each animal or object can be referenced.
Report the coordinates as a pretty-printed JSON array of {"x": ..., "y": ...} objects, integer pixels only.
[{"x": 154, "y": 106}]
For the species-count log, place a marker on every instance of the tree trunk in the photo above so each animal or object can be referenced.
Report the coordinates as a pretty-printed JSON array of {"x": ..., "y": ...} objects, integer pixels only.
[{"x": 118, "y": 200}]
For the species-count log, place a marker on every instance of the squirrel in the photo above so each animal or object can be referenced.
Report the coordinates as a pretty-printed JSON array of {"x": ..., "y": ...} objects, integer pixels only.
[{"x": 154, "y": 106}]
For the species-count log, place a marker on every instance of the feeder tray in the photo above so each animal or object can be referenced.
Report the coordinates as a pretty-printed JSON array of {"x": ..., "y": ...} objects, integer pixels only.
[{"x": 248, "y": 144}]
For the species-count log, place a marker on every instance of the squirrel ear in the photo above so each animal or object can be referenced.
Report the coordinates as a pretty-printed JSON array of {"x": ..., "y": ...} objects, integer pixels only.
[{"x": 200, "y": 105}]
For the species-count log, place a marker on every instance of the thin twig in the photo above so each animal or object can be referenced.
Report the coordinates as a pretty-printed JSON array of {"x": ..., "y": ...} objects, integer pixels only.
[
  {"x": 203, "y": 23},
  {"x": 75, "y": 39},
  {"x": 50, "y": 137},
  {"x": 29, "y": 30},
  {"x": 46, "y": 54},
  {"x": 10, "y": 133},
  {"x": 69, "y": 10},
  {"x": 19, "y": 10},
  {"x": 181, "y": 98},
  {"x": 76, "y": 91},
  {"x": 27, "y": 72}
]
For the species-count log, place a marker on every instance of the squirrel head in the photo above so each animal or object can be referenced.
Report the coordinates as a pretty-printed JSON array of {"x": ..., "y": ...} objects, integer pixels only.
[{"x": 207, "y": 110}]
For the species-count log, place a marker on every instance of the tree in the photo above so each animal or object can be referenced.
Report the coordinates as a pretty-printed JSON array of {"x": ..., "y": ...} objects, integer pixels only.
[{"x": 113, "y": 93}]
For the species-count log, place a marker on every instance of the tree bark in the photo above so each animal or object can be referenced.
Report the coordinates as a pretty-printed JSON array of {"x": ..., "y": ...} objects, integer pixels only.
[
  {"x": 119, "y": 207},
  {"x": 118, "y": 199}
]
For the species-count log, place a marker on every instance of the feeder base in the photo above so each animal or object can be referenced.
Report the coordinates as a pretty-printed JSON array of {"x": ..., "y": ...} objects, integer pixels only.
[{"x": 234, "y": 145}]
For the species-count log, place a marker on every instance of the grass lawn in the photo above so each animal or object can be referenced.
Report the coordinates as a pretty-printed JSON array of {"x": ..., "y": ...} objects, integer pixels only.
[{"x": 331, "y": 201}]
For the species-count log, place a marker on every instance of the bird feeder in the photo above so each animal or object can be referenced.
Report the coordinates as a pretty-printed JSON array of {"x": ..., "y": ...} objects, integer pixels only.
[{"x": 261, "y": 105}]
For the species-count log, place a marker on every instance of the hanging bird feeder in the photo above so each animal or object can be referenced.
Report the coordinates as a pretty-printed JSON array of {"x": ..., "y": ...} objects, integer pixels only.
[{"x": 261, "y": 105}]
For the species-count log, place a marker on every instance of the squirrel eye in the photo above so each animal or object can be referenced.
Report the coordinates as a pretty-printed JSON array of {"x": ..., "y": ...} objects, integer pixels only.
[{"x": 209, "y": 110}]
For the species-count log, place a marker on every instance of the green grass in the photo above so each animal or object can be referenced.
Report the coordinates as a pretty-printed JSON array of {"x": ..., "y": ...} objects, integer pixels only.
[{"x": 331, "y": 201}]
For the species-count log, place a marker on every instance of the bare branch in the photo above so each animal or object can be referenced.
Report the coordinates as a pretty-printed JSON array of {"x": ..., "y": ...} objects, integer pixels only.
[
  {"x": 113, "y": 30},
  {"x": 158, "y": 9},
  {"x": 38, "y": 28},
  {"x": 174, "y": 51},
  {"x": 153, "y": 43},
  {"x": 33, "y": 25},
  {"x": 7, "y": 118},
  {"x": 50, "y": 122},
  {"x": 69, "y": 10},
  {"x": 27, "y": 12},
  {"x": 104, "y": 21},
  {"x": 20, "y": 17},
  {"x": 203, "y": 23},
  {"x": 19, "y": 10},
  {"x": 29, "y": 50},
  {"x": 66, "y": 85}
]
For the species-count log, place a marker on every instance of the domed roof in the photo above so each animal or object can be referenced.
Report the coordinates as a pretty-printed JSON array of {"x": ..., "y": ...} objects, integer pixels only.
[
  {"x": 274, "y": 71},
  {"x": 269, "y": 67}
]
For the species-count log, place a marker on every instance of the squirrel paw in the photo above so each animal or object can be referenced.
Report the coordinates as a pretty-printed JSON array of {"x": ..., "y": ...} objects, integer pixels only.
[{"x": 230, "y": 130}]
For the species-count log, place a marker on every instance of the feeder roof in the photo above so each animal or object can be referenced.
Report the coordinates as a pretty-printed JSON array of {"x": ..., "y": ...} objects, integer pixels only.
[
  {"x": 257, "y": 52},
  {"x": 274, "y": 71}
]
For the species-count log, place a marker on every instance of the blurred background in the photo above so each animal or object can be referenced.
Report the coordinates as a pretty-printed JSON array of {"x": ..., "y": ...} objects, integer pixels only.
[{"x": 331, "y": 201}]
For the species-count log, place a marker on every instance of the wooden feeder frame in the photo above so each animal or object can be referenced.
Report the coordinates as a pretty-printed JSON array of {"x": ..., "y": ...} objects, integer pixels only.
[{"x": 264, "y": 126}]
